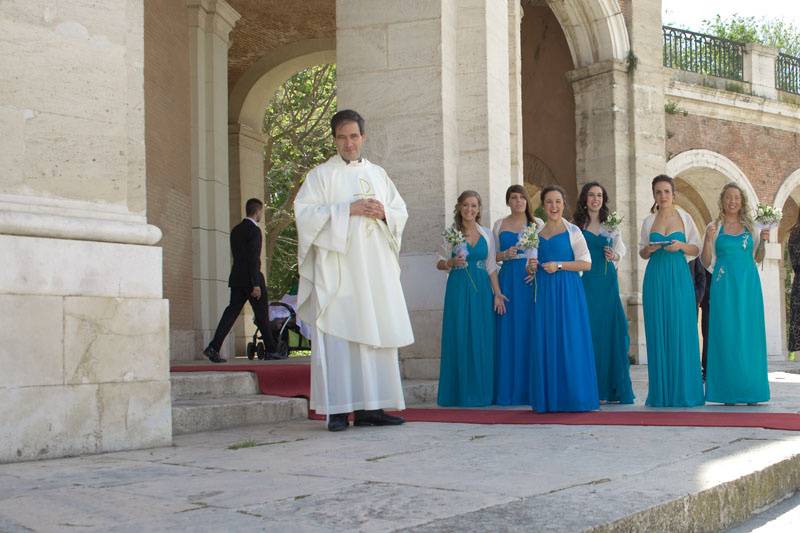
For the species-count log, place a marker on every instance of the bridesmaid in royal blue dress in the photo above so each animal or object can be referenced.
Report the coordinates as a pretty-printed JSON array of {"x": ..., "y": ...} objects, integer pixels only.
[
  {"x": 606, "y": 316},
  {"x": 563, "y": 375},
  {"x": 466, "y": 375},
  {"x": 512, "y": 335},
  {"x": 668, "y": 240},
  {"x": 737, "y": 340}
]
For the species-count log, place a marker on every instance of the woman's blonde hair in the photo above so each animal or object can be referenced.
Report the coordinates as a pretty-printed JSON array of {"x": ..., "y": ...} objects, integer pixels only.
[
  {"x": 459, "y": 222},
  {"x": 745, "y": 218}
]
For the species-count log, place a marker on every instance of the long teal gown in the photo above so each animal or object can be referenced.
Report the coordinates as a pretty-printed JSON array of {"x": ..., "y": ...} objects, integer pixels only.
[
  {"x": 512, "y": 336},
  {"x": 608, "y": 324},
  {"x": 563, "y": 376},
  {"x": 466, "y": 372},
  {"x": 670, "y": 324},
  {"x": 737, "y": 340}
]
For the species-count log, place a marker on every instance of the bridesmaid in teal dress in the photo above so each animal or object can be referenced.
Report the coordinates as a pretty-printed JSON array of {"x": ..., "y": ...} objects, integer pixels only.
[
  {"x": 513, "y": 333},
  {"x": 563, "y": 376},
  {"x": 668, "y": 239},
  {"x": 466, "y": 375},
  {"x": 606, "y": 315},
  {"x": 737, "y": 340}
]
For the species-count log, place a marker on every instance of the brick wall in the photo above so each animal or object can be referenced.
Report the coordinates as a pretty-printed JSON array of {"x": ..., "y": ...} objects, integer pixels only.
[
  {"x": 167, "y": 143},
  {"x": 765, "y": 155}
]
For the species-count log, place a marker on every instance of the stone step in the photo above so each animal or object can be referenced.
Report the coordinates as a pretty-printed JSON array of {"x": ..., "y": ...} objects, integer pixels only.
[
  {"x": 210, "y": 414},
  {"x": 419, "y": 392},
  {"x": 193, "y": 385}
]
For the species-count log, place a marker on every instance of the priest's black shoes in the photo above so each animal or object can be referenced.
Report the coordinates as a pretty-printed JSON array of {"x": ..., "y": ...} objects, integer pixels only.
[
  {"x": 213, "y": 355},
  {"x": 338, "y": 422},
  {"x": 376, "y": 418}
]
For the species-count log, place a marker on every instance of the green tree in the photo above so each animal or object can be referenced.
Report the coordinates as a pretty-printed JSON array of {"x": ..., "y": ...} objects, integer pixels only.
[
  {"x": 297, "y": 126},
  {"x": 774, "y": 33}
]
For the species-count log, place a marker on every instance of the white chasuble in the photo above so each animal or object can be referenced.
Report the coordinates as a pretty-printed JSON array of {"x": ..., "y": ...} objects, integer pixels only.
[{"x": 350, "y": 287}]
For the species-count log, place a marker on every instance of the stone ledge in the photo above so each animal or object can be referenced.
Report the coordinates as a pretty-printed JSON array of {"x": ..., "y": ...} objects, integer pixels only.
[{"x": 211, "y": 414}]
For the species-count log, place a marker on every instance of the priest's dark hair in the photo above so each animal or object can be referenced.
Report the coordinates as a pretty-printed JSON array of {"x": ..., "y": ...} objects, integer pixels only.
[
  {"x": 581, "y": 217},
  {"x": 252, "y": 206},
  {"x": 347, "y": 115},
  {"x": 658, "y": 179},
  {"x": 521, "y": 190},
  {"x": 459, "y": 222},
  {"x": 559, "y": 189}
]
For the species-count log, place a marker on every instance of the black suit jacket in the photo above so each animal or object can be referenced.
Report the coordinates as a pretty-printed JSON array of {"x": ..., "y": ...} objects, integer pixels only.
[{"x": 246, "y": 249}]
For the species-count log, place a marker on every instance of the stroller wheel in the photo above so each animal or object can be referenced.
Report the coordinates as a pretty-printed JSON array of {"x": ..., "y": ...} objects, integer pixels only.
[
  {"x": 262, "y": 352},
  {"x": 251, "y": 351}
]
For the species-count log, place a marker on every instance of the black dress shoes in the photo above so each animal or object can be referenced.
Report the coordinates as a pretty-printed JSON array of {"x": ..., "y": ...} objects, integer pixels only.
[
  {"x": 338, "y": 422},
  {"x": 376, "y": 418},
  {"x": 213, "y": 355}
]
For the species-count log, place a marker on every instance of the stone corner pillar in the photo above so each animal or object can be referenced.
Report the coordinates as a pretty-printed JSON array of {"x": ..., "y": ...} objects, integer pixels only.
[
  {"x": 210, "y": 24},
  {"x": 84, "y": 332},
  {"x": 759, "y": 69},
  {"x": 773, "y": 291}
]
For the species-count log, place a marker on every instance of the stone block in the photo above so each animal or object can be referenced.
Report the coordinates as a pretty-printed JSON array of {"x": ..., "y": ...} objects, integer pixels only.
[
  {"x": 390, "y": 93},
  {"x": 134, "y": 415},
  {"x": 414, "y": 44},
  {"x": 190, "y": 385},
  {"x": 31, "y": 340},
  {"x": 358, "y": 13},
  {"x": 66, "y": 267},
  {"x": 46, "y": 422},
  {"x": 192, "y": 416},
  {"x": 115, "y": 340},
  {"x": 427, "y": 326},
  {"x": 361, "y": 49},
  {"x": 420, "y": 368},
  {"x": 423, "y": 284}
]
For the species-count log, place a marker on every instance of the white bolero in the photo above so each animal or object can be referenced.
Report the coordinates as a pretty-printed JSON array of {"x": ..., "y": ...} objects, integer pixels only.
[
  {"x": 578, "y": 242},
  {"x": 618, "y": 247},
  {"x": 689, "y": 229},
  {"x": 446, "y": 250},
  {"x": 756, "y": 241}
]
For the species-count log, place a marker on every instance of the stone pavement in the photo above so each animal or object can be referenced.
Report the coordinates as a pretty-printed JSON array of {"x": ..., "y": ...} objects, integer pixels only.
[{"x": 295, "y": 476}]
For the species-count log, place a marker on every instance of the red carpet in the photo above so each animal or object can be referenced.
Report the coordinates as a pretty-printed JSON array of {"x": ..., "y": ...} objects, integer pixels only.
[{"x": 293, "y": 380}]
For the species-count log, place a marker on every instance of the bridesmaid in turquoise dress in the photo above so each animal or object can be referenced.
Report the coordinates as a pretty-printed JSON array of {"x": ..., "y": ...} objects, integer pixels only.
[
  {"x": 737, "y": 340},
  {"x": 668, "y": 238},
  {"x": 606, "y": 316},
  {"x": 466, "y": 375},
  {"x": 512, "y": 335},
  {"x": 563, "y": 375}
]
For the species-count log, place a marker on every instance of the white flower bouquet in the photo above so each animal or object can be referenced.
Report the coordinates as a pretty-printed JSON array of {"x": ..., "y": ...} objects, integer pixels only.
[{"x": 610, "y": 230}]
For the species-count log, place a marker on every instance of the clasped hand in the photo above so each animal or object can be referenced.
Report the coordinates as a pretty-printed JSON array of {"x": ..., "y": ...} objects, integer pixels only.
[{"x": 368, "y": 207}]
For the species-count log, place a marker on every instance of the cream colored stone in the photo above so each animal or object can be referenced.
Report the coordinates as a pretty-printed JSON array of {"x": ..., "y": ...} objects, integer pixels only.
[
  {"x": 45, "y": 422},
  {"x": 31, "y": 329},
  {"x": 408, "y": 44},
  {"x": 358, "y": 13},
  {"x": 115, "y": 340},
  {"x": 369, "y": 50},
  {"x": 134, "y": 415},
  {"x": 64, "y": 267}
]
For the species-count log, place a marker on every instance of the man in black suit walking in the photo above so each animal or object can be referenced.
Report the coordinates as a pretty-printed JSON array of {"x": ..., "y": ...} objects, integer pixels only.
[{"x": 246, "y": 281}]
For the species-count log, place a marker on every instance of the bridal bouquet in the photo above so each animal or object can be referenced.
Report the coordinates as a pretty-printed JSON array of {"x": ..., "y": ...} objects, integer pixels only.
[
  {"x": 767, "y": 217},
  {"x": 455, "y": 238},
  {"x": 610, "y": 230},
  {"x": 529, "y": 241}
]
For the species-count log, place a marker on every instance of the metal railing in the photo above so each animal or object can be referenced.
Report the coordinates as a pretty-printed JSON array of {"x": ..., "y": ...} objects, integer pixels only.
[
  {"x": 787, "y": 73},
  {"x": 704, "y": 54}
]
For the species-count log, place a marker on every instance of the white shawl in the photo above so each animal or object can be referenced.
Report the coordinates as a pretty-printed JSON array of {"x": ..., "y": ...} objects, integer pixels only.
[
  {"x": 446, "y": 250},
  {"x": 710, "y": 267},
  {"x": 496, "y": 230},
  {"x": 689, "y": 229}
]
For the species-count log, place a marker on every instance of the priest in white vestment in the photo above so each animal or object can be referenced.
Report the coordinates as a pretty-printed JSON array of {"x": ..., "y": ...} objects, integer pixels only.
[{"x": 350, "y": 221}]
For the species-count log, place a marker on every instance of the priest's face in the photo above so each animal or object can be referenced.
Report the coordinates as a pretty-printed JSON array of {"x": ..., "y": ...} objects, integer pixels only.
[{"x": 348, "y": 141}]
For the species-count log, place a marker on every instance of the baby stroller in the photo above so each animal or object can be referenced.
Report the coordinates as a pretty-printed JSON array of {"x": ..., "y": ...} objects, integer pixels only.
[{"x": 280, "y": 328}]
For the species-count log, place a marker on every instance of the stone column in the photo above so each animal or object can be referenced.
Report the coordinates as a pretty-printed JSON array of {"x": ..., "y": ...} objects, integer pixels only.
[
  {"x": 759, "y": 69},
  {"x": 84, "y": 332},
  {"x": 484, "y": 102},
  {"x": 773, "y": 293},
  {"x": 397, "y": 67},
  {"x": 210, "y": 23},
  {"x": 515, "y": 90},
  {"x": 247, "y": 181}
]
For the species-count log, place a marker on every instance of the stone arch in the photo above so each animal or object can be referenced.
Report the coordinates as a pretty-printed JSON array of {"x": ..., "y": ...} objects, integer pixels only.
[
  {"x": 786, "y": 188},
  {"x": 707, "y": 172},
  {"x": 253, "y": 91},
  {"x": 595, "y": 29}
]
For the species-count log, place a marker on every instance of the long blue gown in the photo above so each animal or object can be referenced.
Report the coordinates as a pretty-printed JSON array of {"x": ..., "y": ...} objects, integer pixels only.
[
  {"x": 670, "y": 324},
  {"x": 563, "y": 376},
  {"x": 466, "y": 375},
  {"x": 512, "y": 336},
  {"x": 737, "y": 340},
  {"x": 608, "y": 324}
]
